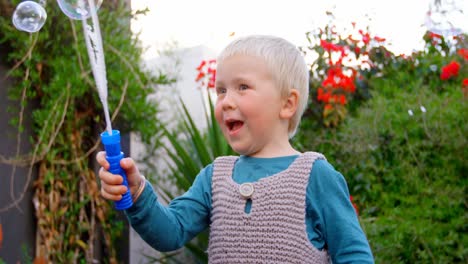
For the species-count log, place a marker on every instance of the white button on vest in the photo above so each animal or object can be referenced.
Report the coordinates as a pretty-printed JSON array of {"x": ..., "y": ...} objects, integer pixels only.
[{"x": 246, "y": 190}]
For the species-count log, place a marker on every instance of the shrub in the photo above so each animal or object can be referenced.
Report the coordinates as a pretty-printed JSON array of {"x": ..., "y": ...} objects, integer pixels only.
[
  {"x": 402, "y": 147},
  {"x": 407, "y": 173},
  {"x": 51, "y": 69}
]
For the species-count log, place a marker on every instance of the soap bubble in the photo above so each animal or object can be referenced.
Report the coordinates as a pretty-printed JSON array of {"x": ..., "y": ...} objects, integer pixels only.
[
  {"x": 446, "y": 18},
  {"x": 29, "y": 16},
  {"x": 78, "y": 9}
]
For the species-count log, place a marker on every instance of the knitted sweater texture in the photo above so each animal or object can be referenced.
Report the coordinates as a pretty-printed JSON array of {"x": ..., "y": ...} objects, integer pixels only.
[{"x": 274, "y": 230}]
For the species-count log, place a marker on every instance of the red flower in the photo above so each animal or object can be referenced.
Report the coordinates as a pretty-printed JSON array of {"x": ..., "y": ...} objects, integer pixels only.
[
  {"x": 342, "y": 99},
  {"x": 365, "y": 37},
  {"x": 328, "y": 107},
  {"x": 463, "y": 53},
  {"x": 323, "y": 96},
  {"x": 337, "y": 79},
  {"x": 203, "y": 62},
  {"x": 434, "y": 36},
  {"x": 450, "y": 70},
  {"x": 357, "y": 50},
  {"x": 211, "y": 82},
  {"x": 444, "y": 75},
  {"x": 465, "y": 82},
  {"x": 328, "y": 46},
  {"x": 200, "y": 76},
  {"x": 379, "y": 39},
  {"x": 211, "y": 71}
]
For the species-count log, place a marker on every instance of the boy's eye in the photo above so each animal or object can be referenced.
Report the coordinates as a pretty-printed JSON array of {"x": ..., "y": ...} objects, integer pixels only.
[
  {"x": 243, "y": 87},
  {"x": 220, "y": 90}
]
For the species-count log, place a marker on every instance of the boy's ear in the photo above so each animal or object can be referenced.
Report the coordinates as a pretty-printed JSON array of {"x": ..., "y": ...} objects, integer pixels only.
[{"x": 290, "y": 103}]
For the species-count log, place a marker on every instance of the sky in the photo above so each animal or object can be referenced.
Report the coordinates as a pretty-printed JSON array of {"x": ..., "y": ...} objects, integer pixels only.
[{"x": 211, "y": 23}]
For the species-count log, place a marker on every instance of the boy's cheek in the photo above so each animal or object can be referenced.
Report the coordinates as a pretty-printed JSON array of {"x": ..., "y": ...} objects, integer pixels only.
[{"x": 218, "y": 117}]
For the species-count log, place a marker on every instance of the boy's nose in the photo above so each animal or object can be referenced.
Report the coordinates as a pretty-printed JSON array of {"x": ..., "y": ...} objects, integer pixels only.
[{"x": 228, "y": 101}]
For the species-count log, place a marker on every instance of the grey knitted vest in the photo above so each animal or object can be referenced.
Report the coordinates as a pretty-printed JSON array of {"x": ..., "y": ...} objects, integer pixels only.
[{"x": 274, "y": 231}]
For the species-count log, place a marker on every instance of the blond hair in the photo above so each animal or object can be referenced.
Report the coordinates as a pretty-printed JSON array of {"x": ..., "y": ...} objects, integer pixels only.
[{"x": 285, "y": 62}]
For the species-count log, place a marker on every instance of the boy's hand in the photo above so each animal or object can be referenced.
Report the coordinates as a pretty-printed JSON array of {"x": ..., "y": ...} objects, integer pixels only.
[{"x": 111, "y": 184}]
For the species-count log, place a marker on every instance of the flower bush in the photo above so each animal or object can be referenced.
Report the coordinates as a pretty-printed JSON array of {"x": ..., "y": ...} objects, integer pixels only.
[
  {"x": 338, "y": 70},
  {"x": 400, "y": 139}
]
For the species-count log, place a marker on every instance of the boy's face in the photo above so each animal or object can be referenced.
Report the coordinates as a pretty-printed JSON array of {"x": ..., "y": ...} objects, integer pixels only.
[{"x": 248, "y": 106}]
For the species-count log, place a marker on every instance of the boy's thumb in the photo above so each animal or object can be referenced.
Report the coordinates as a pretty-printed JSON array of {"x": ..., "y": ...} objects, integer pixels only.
[{"x": 133, "y": 175}]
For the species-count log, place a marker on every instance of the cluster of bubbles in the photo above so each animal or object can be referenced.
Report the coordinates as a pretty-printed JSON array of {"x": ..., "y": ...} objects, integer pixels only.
[
  {"x": 30, "y": 16},
  {"x": 447, "y": 17}
]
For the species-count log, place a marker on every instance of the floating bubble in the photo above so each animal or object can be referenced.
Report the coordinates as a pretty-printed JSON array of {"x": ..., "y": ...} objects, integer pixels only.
[
  {"x": 78, "y": 9},
  {"x": 29, "y": 16},
  {"x": 446, "y": 18}
]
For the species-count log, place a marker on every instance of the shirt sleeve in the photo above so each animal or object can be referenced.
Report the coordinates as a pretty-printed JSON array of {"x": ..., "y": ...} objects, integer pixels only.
[
  {"x": 167, "y": 228},
  {"x": 337, "y": 218}
]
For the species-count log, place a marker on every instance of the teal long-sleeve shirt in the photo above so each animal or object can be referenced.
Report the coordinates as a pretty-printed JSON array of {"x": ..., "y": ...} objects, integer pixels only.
[{"x": 331, "y": 220}]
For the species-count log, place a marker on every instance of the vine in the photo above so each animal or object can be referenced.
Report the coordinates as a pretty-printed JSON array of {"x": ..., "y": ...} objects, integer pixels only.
[{"x": 50, "y": 68}]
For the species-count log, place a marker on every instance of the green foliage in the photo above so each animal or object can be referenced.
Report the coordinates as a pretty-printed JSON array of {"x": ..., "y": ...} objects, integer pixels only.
[
  {"x": 52, "y": 74},
  {"x": 403, "y": 151},
  {"x": 408, "y": 174},
  {"x": 26, "y": 255}
]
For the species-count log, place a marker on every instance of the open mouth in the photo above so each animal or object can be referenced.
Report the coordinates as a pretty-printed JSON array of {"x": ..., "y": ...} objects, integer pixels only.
[{"x": 234, "y": 125}]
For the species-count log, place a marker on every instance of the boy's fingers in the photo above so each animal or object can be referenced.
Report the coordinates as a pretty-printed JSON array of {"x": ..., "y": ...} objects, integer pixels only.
[
  {"x": 133, "y": 175},
  {"x": 110, "y": 196},
  {"x": 111, "y": 184},
  {"x": 113, "y": 190},
  {"x": 109, "y": 178},
  {"x": 128, "y": 165},
  {"x": 101, "y": 159}
]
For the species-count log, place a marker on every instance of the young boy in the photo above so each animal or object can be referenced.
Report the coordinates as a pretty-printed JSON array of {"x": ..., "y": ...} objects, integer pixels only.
[{"x": 272, "y": 204}]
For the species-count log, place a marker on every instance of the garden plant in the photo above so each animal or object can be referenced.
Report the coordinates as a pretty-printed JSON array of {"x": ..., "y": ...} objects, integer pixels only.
[
  {"x": 396, "y": 127},
  {"x": 52, "y": 76}
]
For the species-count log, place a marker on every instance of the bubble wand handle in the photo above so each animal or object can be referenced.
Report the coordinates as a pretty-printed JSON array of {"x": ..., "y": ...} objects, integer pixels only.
[{"x": 114, "y": 154}]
